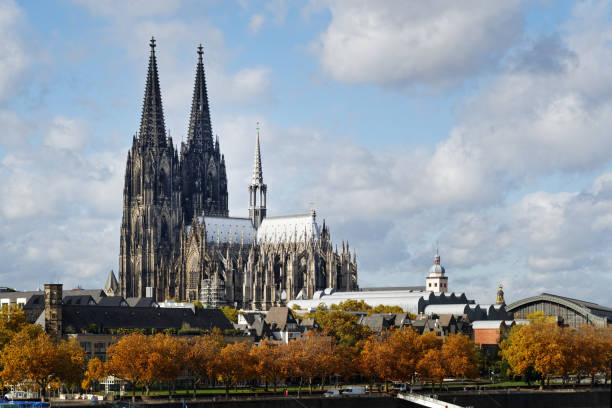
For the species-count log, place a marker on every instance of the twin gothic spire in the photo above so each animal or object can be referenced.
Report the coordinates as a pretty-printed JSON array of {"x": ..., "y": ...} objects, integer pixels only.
[
  {"x": 200, "y": 129},
  {"x": 152, "y": 127}
]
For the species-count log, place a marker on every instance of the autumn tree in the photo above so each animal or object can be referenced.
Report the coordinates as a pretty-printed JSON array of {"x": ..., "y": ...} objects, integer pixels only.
[
  {"x": 352, "y": 305},
  {"x": 345, "y": 361},
  {"x": 311, "y": 356},
  {"x": 93, "y": 374},
  {"x": 431, "y": 367},
  {"x": 12, "y": 320},
  {"x": 166, "y": 358},
  {"x": 342, "y": 325},
  {"x": 405, "y": 347},
  {"x": 234, "y": 364},
  {"x": 71, "y": 363},
  {"x": 458, "y": 355},
  {"x": 128, "y": 359},
  {"x": 201, "y": 356},
  {"x": 31, "y": 355},
  {"x": 533, "y": 346},
  {"x": 269, "y": 359},
  {"x": 368, "y": 358},
  {"x": 590, "y": 351}
]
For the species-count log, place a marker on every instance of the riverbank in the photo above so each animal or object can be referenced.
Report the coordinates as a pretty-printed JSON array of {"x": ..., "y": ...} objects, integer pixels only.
[{"x": 569, "y": 398}]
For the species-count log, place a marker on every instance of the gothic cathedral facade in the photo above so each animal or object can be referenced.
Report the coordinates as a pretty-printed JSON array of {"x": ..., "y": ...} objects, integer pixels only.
[{"x": 178, "y": 240}]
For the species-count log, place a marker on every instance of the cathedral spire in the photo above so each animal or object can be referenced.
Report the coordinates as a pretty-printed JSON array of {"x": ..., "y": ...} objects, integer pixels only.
[
  {"x": 257, "y": 189},
  {"x": 152, "y": 127},
  {"x": 257, "y": 171},
  {"x": 200, "y": 129}
]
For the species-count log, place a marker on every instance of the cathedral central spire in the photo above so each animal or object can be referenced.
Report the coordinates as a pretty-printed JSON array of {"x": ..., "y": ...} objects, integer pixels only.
[
  {"x": 200, "y": 129},
  {"x": 257, "y": 189},
  {"x": 257, "y": 172},
  {"x": 152, "y": 127}
]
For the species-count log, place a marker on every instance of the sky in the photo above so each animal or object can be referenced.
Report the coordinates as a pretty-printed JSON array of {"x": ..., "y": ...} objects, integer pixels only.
[{"x": 479, "y": 128}]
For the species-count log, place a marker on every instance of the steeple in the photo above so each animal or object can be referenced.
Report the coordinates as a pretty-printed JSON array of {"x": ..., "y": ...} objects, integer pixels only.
[
  {"x": 200, "y": 129},
  {"x": 152, "y": 127},
  {"x": 257, "y": 189},
  {"x": 257, "y": 172},
  {"x": 500, "y": 296}
]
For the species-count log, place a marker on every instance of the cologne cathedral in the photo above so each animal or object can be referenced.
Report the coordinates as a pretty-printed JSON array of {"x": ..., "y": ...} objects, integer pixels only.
[{"x": 178, "y": 240}]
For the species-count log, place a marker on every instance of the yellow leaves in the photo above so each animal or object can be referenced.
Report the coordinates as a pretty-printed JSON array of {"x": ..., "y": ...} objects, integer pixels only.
[
  {"x": 550, "y": 349},
  {"x": 235, "y": 363},
  {"x": 32, "y": 355},
  {"x": 398, "y": 354},
  {"x": 202, "y": 353},
  {"x": 95, "y": 371}
]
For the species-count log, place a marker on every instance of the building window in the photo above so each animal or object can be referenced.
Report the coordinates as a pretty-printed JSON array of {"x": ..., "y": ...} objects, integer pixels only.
[
  {"x": 436, "y": 284},
  {"x": 430, "y": 284}
]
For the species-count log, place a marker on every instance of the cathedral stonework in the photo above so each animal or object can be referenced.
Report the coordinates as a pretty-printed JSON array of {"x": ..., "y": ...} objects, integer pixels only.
[{"x": 177, "y": 239}]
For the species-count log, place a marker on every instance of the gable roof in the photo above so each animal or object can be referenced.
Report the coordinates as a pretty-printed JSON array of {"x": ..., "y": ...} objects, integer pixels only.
[
  {"x": 278, "y": 317},
  {"x": 117, "y": 301},
  {"x": 79, "y": 300},
  {"x": 141, "y": 302}
]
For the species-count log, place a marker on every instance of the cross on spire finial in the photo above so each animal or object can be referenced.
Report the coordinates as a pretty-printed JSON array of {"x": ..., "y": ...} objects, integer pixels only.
[
  {"x": 152, "y": 44},
  {"x": 257, "y": 128},
  {"x": 200, "y": 52}
]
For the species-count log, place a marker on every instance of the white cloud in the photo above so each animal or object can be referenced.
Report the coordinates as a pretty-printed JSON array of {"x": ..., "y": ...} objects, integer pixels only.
[
  {"x": 66, "y": 133},
  {"x": 395, "y": 42},
  {"x": 256, "y": 22},
  {"x": 13, "y": 56}
]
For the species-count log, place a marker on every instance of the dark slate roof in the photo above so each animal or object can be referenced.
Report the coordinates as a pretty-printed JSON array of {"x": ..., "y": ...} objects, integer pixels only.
[
  {"x": 78, "y": 300},
  {"x": 113, "y": 317},
  {"x": 250, "y": 317},
  {"x": 260, "y": 329},
  {"x": 380, "y": 321},
  {"x": 96, "y": 294},
  {"x": 114, "y": 301},
  {"x": 141, "y": 302},
  {"x": 278, "y": 317},
  {"x": 35, "y": 301}
]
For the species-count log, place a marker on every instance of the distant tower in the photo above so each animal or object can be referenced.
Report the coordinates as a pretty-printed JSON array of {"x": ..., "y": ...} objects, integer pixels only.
[
  {"x": 500, "y": 296},
  {"x": 436, "y": 281},
  {"x": 53, "y": 310},
  {"x": 111, "y": 288},
  {"x": 257, "y": 189}
]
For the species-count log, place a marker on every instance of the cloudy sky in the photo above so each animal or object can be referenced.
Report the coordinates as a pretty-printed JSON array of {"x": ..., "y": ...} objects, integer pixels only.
[{"x": 480, "y": 127}]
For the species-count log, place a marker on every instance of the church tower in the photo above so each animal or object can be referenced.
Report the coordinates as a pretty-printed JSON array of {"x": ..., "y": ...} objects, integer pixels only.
[
  {"x": 500, "y": 296},
  {"x": 257, "y": 189},
  {"x": 436, "y": 281},
  {"x": 151, "y": 201},
  {"x": 203, "y": 166}
]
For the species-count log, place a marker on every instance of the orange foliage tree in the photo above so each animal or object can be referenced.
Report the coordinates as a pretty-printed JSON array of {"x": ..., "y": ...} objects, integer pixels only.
[
  {"x": 166, "y": 358},
  {"x": 270, "y": 362},
  {"x": 368, "y": 358},
  {"x": 458, "y": 355},
  {"x": 32, "y": 355},
  {"x": 71, "y": 363},
  {"x": 234, "y": 364},
  {"x": 94, "y": 372},
  {"x": 201, "y": 357},
  {"x": 128, "y": 359}
]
